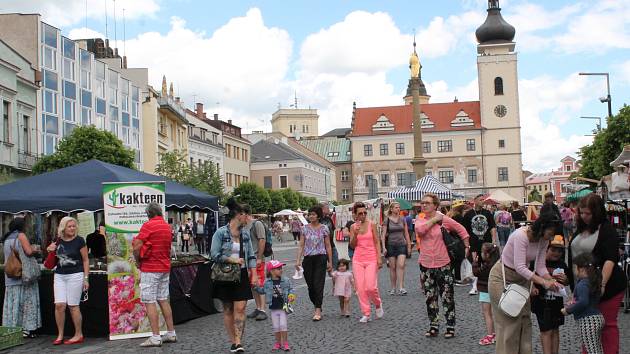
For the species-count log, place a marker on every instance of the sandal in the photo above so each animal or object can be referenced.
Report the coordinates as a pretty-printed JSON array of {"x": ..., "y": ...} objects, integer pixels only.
[
  {"x": 432, "y": 332},
  {"x": 450, "y": 333},
  {"x": 317, "y": 318}
]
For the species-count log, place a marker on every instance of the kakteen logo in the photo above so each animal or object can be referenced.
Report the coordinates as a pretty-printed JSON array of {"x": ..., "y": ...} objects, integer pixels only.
[{"x": 120, "y": 200}]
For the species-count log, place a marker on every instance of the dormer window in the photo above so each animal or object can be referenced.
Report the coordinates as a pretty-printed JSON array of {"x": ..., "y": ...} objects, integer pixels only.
[
  {"x": 383, "y": 124},
  {"x": 462, "y": 120},
  {"x": 425, "y": 121}
]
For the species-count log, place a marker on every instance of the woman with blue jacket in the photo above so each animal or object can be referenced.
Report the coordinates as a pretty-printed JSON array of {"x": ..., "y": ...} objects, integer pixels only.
[{"x": 231, "y": 244}]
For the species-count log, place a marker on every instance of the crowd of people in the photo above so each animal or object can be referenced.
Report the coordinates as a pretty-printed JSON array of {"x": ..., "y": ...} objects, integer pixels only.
[{"x": 573, "y": 247}]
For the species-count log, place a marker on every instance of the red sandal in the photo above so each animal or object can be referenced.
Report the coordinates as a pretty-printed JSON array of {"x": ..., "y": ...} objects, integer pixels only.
[
  {"x": 58, "y": 341},
  {"x": 69, "y": 341}
]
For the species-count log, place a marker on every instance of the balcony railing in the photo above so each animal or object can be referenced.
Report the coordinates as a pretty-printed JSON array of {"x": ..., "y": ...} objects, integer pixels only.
[
  {"x": 26, "y": 160},
  {"x": 171, "y": 104}
]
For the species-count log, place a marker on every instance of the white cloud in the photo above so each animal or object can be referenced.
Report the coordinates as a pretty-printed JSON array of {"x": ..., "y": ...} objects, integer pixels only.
[
  {"x": 83, "y": 33},
  {"x": 242, "y": 65},
  {"x": 63, "y": 13},
  {"x": 444, "y": 35},
  {"x": 624, "y": 71},
  {"x": 362, "y": 42},
  {"x": 544, "y": 142}
]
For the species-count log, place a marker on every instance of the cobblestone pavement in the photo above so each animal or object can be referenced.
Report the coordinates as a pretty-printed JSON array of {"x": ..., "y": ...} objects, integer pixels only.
[{"x": 401, "y": 330}]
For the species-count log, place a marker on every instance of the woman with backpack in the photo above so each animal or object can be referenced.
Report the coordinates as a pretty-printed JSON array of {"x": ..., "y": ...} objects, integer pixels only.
[
  {"x": 436, "y": 272},
  {"x": 396, "y": 246}
]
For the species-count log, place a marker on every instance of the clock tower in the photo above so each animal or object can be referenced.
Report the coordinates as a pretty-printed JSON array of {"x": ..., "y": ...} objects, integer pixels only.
[{"x": 499, "y": 104}]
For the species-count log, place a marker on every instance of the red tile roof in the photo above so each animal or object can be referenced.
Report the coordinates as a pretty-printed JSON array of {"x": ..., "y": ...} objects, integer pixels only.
[{"x": 441, "y": 114}]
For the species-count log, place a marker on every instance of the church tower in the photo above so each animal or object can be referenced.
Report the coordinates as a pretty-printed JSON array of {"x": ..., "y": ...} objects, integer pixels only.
[{"x": 499, "y": 104}]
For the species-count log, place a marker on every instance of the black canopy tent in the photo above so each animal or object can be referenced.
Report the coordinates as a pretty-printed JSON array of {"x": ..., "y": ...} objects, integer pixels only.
[{"x": 79, "y": 187}]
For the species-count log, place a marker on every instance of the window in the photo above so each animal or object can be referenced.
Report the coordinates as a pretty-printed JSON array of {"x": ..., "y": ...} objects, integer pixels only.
[
  {"x": 400, "y": 148},
  {"x": 503, "y": 174},
  {"x": 426, "y": 147},
  {"x": 68, "y": 69},
  {"x": 501, "y": 143},
  {"x": 50, "y": 143},
  {"x": 446, "y": 176},
  {"x": 68, "y": 128},
  {"x": 384, "y": 148},
  {"x": 86, "y": 98},
  {"x": 498, "y": 86},
  {"x": 6, "y": 128},
  {"x": 50, "y": 58},
  {"x": 385, "y": 179},
  {"x": 68, "y": 48},
  {"x": 50, "y": 35},
  {"x": 228, "y": 179},
  {"x": 345, "y": 175},
  {"x": 472, "y": 175},
  {"x": 68, "y": 110},
  {"x": 368, "y": 179},
  {"x": 367, "y": 150},
  {"x": 567, "y": 168},
  {"x": 245, "y": 155},
  {"x": 545, "y": 187},
  {"x": 345, "y": 195},
  {"x": 69, "y": 90},
  {"x": 50, "y": 80},
  {"x": 400, "y": 178},
  {"x": 445, "y": 145},
  {"x": 26, "y": 138},
  {"x": 470, "y": 144},
  {"x": 86, "y": 79},
  {"x": 50, "y": 101},
  {"x": 51, "y": 124},
  {"x": 267, "y": 182},
  {"x": 228, "y": 150},
  {"x": 100, "y": 106},
  {"x": 86, "y": 116},
  {"x": 283, "y": 182}
]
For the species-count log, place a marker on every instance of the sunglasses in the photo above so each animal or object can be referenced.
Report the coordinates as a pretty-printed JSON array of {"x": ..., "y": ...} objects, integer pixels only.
[{"x": 84, "y": 296}]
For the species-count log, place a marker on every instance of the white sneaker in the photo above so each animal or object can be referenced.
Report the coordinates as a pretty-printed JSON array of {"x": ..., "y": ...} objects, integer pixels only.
[
  {"x": 473, "y": 292},
  {"x": 169, "y": 338},
  {"x": 150, "y": 342},
  {"x": 364, "y": 319},
  {"x": 379, "y": 312}
]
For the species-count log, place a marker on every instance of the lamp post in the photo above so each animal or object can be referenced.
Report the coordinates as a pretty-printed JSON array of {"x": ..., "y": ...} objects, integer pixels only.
[
  {"x": 599, "y": 124},
  {"x": 607, "y": 98}
]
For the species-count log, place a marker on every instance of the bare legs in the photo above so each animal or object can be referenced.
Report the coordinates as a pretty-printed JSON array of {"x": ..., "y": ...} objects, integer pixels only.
[
  {"x": 397, "y": 272},
  {"x": 550, "y": 341},
  {"x": 153, "y": 315},
  {"x": 60, "y": 318},
  {"x": 234, "y": 320},
  {"x": 487, "y": 316}
]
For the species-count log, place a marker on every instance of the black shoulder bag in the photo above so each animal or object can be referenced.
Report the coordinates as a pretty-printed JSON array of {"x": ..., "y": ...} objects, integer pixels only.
[
  {"x": 227, "y": 273},
  {"x": 454, "y": 246}
]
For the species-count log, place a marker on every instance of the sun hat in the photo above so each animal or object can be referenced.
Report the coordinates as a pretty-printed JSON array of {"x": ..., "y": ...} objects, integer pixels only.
[{"x": 273, "y": 264}]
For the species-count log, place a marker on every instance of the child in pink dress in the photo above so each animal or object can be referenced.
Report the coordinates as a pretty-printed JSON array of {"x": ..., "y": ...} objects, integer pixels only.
[{"x": 343, "y": 285}]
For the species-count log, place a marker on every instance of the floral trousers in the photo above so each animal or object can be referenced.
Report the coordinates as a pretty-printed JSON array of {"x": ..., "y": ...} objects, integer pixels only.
[{"x": 439, "y": 282}]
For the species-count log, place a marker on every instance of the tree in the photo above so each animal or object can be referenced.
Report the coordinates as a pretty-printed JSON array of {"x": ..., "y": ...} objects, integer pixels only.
[
  {"x": 292, "y": 198},
  {"x": 256, "y": 196},
  {"x": 534, "y": 196},
  {"x": 83, "y": 144},
  {"x": 277, "y": 201},
  {"x": 204, "y": 177},
  {"x": 606, "y": 146}
]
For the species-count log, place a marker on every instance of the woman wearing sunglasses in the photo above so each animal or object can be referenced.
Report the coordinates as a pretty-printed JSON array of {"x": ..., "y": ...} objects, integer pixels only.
[
  {"x": 436, "y": 272},
  {"x": 366, "y": 262}
]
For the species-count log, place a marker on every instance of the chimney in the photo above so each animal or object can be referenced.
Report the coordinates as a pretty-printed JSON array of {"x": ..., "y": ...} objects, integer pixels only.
[
  {"x": 216, "y": 116},
  {"x": 199, "y": 109},
  {"x": 229, "y": 121},
  {"x": 177, "y": 99},
  {"x": 125, "y": 62}
]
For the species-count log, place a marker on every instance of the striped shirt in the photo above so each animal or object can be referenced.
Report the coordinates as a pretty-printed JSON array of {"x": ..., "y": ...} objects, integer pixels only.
[{"x": 156, "y": 249}]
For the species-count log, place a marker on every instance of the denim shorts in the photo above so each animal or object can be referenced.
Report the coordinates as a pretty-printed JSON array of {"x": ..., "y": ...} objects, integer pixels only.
[
  {"x": 484, "y": 297},
  {"x": 395, "y": 251}
]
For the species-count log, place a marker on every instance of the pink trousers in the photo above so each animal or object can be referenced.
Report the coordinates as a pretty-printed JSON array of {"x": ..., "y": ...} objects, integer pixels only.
[{"x": 366, "y": 282}]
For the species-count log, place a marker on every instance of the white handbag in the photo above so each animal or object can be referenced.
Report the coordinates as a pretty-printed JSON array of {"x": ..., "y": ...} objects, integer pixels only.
[{"x": 514, "y": 296}]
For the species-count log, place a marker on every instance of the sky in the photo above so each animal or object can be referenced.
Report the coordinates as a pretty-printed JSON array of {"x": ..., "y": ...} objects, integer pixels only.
[{"x": 244, "y": 59}]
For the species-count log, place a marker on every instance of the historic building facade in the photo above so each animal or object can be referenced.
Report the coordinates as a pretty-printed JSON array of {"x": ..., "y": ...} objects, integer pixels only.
[
  {"x": 205, "y": 142},
  {"x": 236, "y": 161},
  {"x": 472, "y": 147},
  {"x": 295, "y": 122}
]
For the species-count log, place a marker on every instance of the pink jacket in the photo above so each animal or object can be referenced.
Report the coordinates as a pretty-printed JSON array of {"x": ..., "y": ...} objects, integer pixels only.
[{"x": 433, "y": 253}]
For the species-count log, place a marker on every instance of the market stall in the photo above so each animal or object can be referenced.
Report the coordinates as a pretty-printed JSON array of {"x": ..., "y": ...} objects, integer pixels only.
[
  {"x": 426, "y": 184},
  {"x": 79, "y": 188}
]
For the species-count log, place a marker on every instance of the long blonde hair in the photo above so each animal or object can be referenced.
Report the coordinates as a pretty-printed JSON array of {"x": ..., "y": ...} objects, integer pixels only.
[{"x": 64, "y": 223}]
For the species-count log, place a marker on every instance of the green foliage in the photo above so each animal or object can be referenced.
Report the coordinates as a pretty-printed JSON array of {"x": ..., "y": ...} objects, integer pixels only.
[
  {"x": 83, "y": 144},
  {"x": 277, "y": 201},
  {"x": 307, "y": 202},
  {"x": 534, "y": 196},
  {"x": 256, "y": 196},
  {"x": 204, "y": 177},
  {"x": 606, "y": 146},
  {"x": 292, "y": 198}
]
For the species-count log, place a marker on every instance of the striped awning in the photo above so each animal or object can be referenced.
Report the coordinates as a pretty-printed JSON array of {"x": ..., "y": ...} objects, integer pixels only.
[{"x": 427, "y": 184}]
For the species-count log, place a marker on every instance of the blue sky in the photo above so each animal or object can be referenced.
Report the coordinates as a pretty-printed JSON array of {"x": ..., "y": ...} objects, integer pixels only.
[{"x": 243, "y": 58}]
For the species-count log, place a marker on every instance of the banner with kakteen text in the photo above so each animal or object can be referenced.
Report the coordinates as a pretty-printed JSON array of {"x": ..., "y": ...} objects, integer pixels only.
[{"x": 124, "y": 207}]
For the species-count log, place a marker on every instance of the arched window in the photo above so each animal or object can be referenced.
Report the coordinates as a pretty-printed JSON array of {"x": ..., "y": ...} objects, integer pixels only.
[{"x": 498, "y": 86}]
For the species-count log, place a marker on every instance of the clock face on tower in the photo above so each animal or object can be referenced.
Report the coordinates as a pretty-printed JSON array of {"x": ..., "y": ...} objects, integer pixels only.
[{"x": 500, "y": 111}]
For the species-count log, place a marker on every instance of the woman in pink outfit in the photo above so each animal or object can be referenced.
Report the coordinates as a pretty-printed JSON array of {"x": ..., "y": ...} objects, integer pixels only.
[
  {"x": 366, "y": 262},
  {"x": 436, "y": 272}
]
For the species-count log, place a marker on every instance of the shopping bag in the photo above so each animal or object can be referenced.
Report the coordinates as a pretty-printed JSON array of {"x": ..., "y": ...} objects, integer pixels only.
[{"x": 465, "y": 270}]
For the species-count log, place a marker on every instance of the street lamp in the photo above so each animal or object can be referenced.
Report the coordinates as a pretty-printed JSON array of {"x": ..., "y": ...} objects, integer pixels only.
[
  {"x": 607, "y": 98},
  {"x": 599, "y": 124}
]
